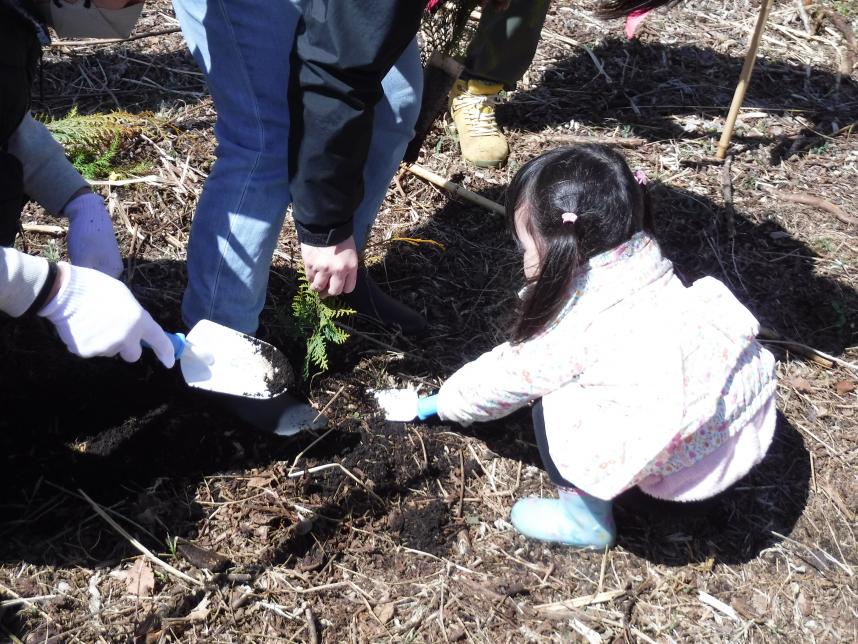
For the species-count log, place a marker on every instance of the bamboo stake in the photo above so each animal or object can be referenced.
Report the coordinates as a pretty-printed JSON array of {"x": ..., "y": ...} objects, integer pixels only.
[
  {"x": 455, "y": 188},
  {"x": 45, "y": 229},
  {"x": 580, "y": 602},
  {"x": 744, "y": 78},
  {"x": 89, "y": 42},
  {"x": 146, "y": 552},
  {"x": 819, "y": 357}
]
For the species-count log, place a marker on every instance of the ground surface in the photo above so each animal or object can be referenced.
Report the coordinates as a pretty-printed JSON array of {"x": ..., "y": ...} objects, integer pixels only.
[{"x": 405, "y": 537}]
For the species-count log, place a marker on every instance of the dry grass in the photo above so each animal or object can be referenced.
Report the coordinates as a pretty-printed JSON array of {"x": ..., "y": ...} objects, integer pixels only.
[{"x": 406, "y": 537}]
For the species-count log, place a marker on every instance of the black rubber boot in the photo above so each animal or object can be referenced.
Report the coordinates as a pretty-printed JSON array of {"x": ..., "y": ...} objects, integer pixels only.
[
  {"x": 370, "y": 301},
  {"x": 283, "y": 415}
]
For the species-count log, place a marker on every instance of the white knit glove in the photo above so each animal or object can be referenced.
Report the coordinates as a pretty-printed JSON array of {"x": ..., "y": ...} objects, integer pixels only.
[
  {"x": 97, "y": 315},
  {"x": 91, "y": 240}
]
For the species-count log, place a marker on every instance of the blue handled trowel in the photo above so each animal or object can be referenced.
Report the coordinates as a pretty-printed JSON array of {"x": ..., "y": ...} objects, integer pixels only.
[
  {"x": 404, "y": 405},
  {"x": 216, "y": 358}
]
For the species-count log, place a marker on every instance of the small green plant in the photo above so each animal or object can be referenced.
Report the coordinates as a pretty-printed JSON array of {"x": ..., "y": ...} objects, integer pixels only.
[
  {"x": 821, "y": 148},
  {"x": 92, "y": 141},
  {"x": 316, "y": 321},
  {"x": 92, "y": 163},
  {"x": 51, "y": 252},
  {"x": 172, "y": 546},
  {"x": 847, "y": 8},
  {"x": 825, "y": 245},
  {"x": 76, "y": 130}
]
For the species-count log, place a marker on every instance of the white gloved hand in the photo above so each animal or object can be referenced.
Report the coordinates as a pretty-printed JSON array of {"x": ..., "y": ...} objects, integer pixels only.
[
  {"x": 97, "y": 315},
  {"x": 91, "y": 241}
]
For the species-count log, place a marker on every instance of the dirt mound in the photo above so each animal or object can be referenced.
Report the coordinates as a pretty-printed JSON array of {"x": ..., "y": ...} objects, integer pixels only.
[{"x": 399, "y": 532}]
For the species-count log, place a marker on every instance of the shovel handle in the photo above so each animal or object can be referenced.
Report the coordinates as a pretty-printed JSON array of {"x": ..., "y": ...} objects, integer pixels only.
[
  {"x": 176, "y": 339},
  {"x": 179, "y": 343},
  {"x": 427, "y": 406}
]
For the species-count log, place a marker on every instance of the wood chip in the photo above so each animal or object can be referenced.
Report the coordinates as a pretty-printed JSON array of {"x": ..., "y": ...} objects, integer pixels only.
[
  {"x": 718, "y": 605},
  {"x": 580, "y": 602},
  {"x": 203, "y": 558},
  {"x": 139, "y": 579},
  {"x": 385, "y": 612},
  {"x": 845, "y": 386},
  {"x": 799, "y": 384}
]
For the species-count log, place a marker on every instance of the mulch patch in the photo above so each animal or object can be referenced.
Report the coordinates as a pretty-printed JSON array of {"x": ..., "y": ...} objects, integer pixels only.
[{"x": 374, "y": 531}]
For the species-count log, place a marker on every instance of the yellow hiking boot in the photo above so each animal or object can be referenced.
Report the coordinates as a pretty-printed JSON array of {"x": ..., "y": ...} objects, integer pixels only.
[{"x": 472, "y": 104}]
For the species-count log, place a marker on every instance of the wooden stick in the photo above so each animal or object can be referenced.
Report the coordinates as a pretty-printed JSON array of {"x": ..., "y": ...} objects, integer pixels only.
[
  {"x": 325, "y": 408},
  {"x": 622, "y": 142},
  {"x": 137, "y": 544},
  {"x": 717, "y": 604},
  {"x": 580, "y": 602},
  {"x": 727, "y": 192},
  {"x": 149, "y": 178},
  {"x": 89, "y": 42},
  {"x": 9, "y": 591},
  {"x": 819, "y": 357},
  {"x": 352, "y": 331},
  {"x": 455, "y": 188},
  {"x": 312, "y": 631},
  {"x": 25, "y": 601},
  {"x": 327, "y": 466},
  {"x": 812, "y": 200},
  {"x": 744, "y": 78},
  {"x": 44, "y": 229}
]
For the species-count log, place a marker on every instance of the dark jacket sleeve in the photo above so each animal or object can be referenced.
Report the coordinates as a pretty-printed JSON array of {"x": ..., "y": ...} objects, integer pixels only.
[
  {"x": 343, "y": 50},
  {"x": 20, "y": 50}
]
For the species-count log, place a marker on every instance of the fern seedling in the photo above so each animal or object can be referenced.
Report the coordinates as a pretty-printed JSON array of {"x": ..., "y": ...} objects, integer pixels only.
[
  {"x": 76, "y": 130},
  {"x": 92, "y": 141},
  {"x": 316, "y": 321},
  {"x": 93, "y": 165}
]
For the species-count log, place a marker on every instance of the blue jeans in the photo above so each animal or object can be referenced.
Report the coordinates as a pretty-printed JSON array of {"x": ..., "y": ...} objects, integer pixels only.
[{"x": 243, "y": 46}]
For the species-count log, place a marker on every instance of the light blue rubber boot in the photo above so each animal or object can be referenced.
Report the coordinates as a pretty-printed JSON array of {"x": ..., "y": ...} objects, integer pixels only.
[{"x": 575, "y": 519}]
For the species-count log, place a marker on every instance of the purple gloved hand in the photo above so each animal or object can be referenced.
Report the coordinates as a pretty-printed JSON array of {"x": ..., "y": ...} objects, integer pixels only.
[{"x": 91, "y": 240}]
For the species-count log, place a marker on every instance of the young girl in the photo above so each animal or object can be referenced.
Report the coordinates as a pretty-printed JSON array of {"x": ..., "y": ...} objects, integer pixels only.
[{"x": 636, "y": 379}]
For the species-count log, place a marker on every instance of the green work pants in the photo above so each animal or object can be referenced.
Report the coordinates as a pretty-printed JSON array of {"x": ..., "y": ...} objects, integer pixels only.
[{"x": 505, "y": 42}]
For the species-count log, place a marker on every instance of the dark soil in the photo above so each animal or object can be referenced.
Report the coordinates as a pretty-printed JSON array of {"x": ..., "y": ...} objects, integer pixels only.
[
  {"x": 282, "y": 376},
  {"x": 375, "y": 531}
]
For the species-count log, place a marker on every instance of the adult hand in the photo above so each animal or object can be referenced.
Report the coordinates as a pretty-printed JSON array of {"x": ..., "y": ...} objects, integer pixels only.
[
  {"x": 331, "y": 270},
  {"x": 91, "y": 241},
  {"x": 96, "y": 315}
]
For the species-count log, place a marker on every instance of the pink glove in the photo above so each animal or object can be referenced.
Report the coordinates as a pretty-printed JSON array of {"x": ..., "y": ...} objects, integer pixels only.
[
  {"x": 634, "y": 21},
  {"x": 96, "y": 315},
  {"x": 91, "y": 241}
]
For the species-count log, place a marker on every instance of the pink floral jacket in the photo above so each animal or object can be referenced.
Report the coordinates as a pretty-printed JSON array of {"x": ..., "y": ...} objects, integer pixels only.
[{"x": 640, "y": 376}]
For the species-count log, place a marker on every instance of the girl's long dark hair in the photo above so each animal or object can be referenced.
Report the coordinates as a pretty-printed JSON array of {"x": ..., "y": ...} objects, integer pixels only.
[{"x": 592, "y": 181}]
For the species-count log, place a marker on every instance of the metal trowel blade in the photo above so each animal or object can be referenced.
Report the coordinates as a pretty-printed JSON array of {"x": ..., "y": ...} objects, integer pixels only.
[
  {"x": 398, "y": 405},
  {"x": 217, "y": 358}
]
